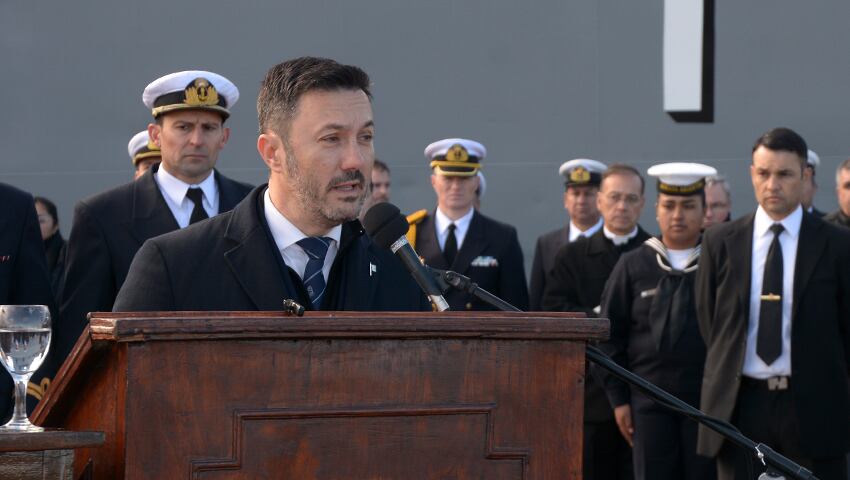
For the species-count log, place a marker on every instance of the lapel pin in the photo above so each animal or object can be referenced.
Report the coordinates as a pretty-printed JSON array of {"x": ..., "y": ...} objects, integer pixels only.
[{"x": 372, "y": 268}]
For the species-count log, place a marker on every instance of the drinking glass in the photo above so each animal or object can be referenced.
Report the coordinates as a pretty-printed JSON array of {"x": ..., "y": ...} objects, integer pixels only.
[{"x": 24, "y": 340}]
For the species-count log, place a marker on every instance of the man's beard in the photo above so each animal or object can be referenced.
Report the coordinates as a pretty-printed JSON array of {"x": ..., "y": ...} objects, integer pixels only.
[{"x": 312, "y": 197}]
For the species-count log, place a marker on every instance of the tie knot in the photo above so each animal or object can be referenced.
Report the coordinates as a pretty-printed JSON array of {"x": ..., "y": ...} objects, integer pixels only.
[
  {"x": 777, "y": 228},
  {"x": 195, "y": 195},
  {"x": 452, "y": 227},
  {"x": 316, "y": 247}
]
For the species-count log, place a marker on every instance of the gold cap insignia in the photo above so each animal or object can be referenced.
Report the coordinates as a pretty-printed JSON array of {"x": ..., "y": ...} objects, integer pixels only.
[
  {"x": 152, "y": 146},
  {"x": 579, "y": 175},
  {"x": 457, "y": 153},
  {"x": 201, "y": 93}
]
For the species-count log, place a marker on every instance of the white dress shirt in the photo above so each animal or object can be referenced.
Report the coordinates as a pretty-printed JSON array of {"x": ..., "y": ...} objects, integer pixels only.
[
  {"x": 679, "y": 258},
  {"x": 174, "y": 190},
  {"x": 619, "y": 239},
  {"x": 286, "y": 235},
  {"x": 576, "y": 232},
  {"x": 762, "y": 237},
  {"x": 442, "y": 223}
]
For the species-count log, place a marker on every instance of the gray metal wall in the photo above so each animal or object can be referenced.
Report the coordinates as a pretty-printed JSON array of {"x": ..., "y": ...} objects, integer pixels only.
[{"x": 536, "y": 82}]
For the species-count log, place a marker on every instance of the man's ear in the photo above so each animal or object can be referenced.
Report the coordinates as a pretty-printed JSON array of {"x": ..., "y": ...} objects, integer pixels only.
[
  {"x": 270, "y": 147},
  {"x": 154, "y": 132}
]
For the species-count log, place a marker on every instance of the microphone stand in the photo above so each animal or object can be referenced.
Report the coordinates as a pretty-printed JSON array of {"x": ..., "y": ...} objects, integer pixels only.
[{"x": 768, "y": 457}]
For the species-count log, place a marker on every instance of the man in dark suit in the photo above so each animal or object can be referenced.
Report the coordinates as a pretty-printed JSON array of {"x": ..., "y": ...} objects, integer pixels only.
[
  {"x": 457, "y": 237},
  {"x": 189, "y": 109},
  {"x": 581, "y": 183},
  {"x": 575, "y": 284},
  {"x": 297, "y": 237},
  {"x": 23, "y": 275},
  {"x": 773, "y": 304}
]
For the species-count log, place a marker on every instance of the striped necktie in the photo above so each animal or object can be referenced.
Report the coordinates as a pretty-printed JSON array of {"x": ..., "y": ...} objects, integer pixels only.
[{"x": 313, "y": 278}]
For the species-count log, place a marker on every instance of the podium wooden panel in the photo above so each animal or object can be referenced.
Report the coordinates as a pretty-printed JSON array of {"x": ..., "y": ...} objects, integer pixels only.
[{"x": 331, "y": 395}]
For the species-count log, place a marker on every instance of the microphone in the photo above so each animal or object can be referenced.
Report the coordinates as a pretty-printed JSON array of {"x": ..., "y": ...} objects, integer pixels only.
[{"x": 388, "y": 229}]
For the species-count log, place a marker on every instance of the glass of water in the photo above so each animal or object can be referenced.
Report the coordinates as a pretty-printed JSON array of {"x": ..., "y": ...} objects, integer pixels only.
[{"x": 24, "y": 340}]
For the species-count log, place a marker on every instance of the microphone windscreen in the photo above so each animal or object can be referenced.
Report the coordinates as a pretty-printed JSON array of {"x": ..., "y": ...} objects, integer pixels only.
[{"x": 385, "y": 224}]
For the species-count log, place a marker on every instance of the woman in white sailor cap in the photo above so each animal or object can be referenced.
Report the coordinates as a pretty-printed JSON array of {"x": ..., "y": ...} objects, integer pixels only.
[{"x": 649, "y": 299}]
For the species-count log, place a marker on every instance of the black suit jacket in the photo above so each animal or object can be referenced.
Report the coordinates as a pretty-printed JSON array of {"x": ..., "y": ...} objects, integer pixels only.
[
  {"x": 23, "y": 272},
  {"x": 231, "y": 262},
  {"x": 820, "y": 329},
  {"x": 108, "y": 230},
  {"x": 486, "y": 240},
  {"x": 545, "y": 249},
  {"x": 575, "y": 284},
  {"x": 580, "y": 270}
]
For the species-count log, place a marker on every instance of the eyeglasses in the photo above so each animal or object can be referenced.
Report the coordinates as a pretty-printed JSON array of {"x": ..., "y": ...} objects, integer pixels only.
[{"x": 614, "y": 198}]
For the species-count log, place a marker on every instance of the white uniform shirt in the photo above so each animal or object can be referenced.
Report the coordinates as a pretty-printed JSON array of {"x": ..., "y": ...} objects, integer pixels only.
[
  {"x": 576, "y": 232},
  {"x": 174, "y": 190},
  {"x": 442, "y": 223},
  {"x": 762, "y": 237}
]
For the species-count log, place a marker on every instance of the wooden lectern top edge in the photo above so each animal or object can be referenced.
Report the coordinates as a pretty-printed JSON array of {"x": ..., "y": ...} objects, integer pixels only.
[{"x": 164, "y": 326}]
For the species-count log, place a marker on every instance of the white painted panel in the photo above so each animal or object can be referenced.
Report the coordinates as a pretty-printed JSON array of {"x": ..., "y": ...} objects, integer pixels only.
[{"x": 683, "y": 41}]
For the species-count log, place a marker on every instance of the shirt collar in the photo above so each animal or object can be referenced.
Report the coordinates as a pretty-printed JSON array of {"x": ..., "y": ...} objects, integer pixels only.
[
  {"x": 284, "y": 232},
  {"x": 176, "y": 189},
  {"x": 576, "y": 232},
  {"x": 462, "y": 223},
  {"x": 619, "y": 239},
  {"x": 791, "y": 223}
]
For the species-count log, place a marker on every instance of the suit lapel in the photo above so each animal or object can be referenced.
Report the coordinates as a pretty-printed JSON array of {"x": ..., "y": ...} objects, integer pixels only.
[
  {"x": 250, "y": 258},
  {"x": 473, "y": 244},
  {"x": 602, "y": 250},
  {"x": 354, "y": 281},
  {"x": 739, "y": 245},
  {"x": 151, "y": 216},
  {"x": 427, "y": 245},
  {"x": 810, "y": 245}
]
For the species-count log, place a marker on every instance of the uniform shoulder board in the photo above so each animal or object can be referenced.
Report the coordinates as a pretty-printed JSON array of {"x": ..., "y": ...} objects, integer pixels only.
[
  {"x": 413, "y": 220},
  {"x": 417, "y": 217}
]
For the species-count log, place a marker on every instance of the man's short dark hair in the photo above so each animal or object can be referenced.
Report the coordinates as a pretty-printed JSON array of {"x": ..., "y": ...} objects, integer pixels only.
[
  {"x": 50, "y": 207},
  {"x": 622, "y": 169},
  {"x": 286, "y": 82},
  {"x": 381, "y": 166},
  {"x": 784, "y": 139}
]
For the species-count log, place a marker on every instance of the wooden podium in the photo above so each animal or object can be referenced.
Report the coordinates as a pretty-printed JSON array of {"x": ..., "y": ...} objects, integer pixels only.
[{"x": 331, "y": 395}]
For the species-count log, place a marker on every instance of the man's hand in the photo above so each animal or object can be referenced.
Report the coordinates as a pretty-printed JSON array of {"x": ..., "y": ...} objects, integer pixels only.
[{"x": 623, "y": 415}]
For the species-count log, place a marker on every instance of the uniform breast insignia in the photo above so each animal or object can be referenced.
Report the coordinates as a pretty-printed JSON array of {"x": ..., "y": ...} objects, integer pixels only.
[{"x": 484, "y": 261}]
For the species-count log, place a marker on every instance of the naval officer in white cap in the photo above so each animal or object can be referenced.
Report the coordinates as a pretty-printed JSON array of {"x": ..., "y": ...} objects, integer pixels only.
[
  {"x": 581, "y": 185},
  {"x": 143, "y": 153},
  {"x": 649, "y": 300},
  {"x": 189, "y": 110},
  {"x": 454, "y": 236}
]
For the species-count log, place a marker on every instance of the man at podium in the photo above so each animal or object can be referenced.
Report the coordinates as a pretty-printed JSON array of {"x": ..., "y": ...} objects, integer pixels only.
[{"x": 296, "y": 237}]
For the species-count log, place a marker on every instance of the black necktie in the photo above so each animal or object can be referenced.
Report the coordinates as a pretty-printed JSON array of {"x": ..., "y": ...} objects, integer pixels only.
[
  {"x": 198, "y": 213},
  {"x": 450, "y": 250},
  {"x": 769, "y": 340}
]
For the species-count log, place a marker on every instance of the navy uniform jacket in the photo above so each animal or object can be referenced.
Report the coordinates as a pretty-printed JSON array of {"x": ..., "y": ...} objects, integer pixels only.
[
  {"x": 23, "y": 271},
  {"x": 574, "y": 284},
  {"x": 108, "y": 230},
  {"x": 626, "y": 302},
  {"x": 490, "y": 255},
  {"x": 820, "y": 330},
  {"x": 545, "y": 249},
  {"x": 231, "y": 262}
]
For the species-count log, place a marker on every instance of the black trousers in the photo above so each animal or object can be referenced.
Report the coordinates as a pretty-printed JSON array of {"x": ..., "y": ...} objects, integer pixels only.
[
  {"x": 606, "y": 454},
  {"x": 769, "y": 417},
  {"x": 665, "y": 443}
]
